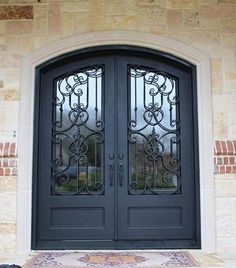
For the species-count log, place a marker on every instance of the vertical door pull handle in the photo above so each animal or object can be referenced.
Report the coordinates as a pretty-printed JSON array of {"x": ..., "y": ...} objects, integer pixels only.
[
  {"x": 111, "y": 168},
  {"x": 121, "y": 168}
]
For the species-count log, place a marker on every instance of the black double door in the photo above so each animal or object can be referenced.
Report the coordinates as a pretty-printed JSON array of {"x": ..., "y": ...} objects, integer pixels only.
[{"x": 115, "y": 152}]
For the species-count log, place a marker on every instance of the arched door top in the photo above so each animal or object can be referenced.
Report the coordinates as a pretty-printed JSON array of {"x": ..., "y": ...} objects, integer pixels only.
[{"x": 145, "y": 40}]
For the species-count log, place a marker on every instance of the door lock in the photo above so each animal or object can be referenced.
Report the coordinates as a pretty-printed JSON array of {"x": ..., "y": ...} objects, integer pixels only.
[{"x": 121, "y": 168}]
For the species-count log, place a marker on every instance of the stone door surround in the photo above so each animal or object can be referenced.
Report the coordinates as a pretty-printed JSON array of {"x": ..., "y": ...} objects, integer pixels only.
[{"x": 134, "y": 38}]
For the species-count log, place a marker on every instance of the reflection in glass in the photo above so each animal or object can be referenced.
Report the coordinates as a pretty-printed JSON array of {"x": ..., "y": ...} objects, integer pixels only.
[
  {"x": 153, "y": 131},
  {"x": 78, "y": 133}
]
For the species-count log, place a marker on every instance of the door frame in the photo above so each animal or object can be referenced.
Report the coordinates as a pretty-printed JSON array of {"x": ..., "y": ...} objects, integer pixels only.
[{"x": 133, "y": 38}]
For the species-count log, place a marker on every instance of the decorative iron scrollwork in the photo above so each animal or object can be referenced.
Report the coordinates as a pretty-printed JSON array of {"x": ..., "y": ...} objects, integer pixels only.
[
  {"x": 78, "y": 133},
  {"x": 153, "y": 132}
]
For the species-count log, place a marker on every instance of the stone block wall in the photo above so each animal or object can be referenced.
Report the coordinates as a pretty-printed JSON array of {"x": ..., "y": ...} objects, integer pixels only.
[{"x": 208, "y": 25}]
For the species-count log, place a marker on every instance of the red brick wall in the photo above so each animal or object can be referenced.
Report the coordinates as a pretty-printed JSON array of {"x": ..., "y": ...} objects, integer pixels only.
[
  {"x": 225, "y": 156},
  {"x": 8, "y": 159}
]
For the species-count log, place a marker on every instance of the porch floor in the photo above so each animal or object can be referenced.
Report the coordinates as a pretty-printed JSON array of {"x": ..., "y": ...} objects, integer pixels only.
[{"x": 205, "y": 260}]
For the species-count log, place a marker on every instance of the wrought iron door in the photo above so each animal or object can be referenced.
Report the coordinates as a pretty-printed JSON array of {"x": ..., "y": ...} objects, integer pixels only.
[{"x": 115, "y": 151}]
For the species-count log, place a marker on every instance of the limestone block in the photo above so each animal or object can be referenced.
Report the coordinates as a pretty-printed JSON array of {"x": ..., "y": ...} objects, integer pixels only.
[
  {"x": 191, "y": 19},
  {"x": 120, "y": 22},
  {"x": 11, "y": 123},
  {"x": 75, "y": 6},
  {"x": 217, "y": 74},
  {"x": 216, "y": 11},
  {"x": 230, "y": 86},
  {"x": 2, "y": 118},
  {"x": 222, "y": 107},
  {"x": 23, "y": 1},
  {"x": 209, "y": 23},
  {"x": 227, "y": 1},
  {"x": 11, "y": 77},
  {"x": 131, "y": 7},
  {"x": 158, "y": 3},
  {"x": 7, "y": 244},
  {"x": 234, "y": 229},
  {"x": 182, "y": 3},
  {"x": 228, "y": 25},
  {"x": 16, "y": 12},
  {"x": 228, "y": 176},
  {"x": 2, "y": 27},
  {"x": 225, "y": 188},
  {"x": 8, "y": 206},
  {"x": 54, "y": 17},
  {"x": 234, "y": 209},
  {"x": 159, "y": 29},
  {"x": 81, "y": 23},
  {"x": 19, "y": 45},
  {"x": 229, "y": 60},
  {"x": 175, "y": 19},
  {"x": 232, "y": 130},
  {"x": 152, "y": 16},
  {"x": 224, "y": 227},
  {"x": 7, "y": 228},
  {"x": 69, "y": 23},
  {"x": 8, "y": 59},
  {"x": 8, "y": 184},
  {"x": 96, "y": 13},
  {"x": 207, "y": 2},
  {"x": 228, "y": 41},
  {"x": 205, "y": 37},
  {"x": 224, "y": 209},
  {"x": 116, "y": 9},
  {"x": 213, "y": 49},
  {"x": 19, "y": 27},
  {"x": 40, "y": 19},
  {"x": 11, "y": 95},
  {"x": 226, "y": 245},
  {"x": 230, "y": 75},
  {"x": 41, "y": 41}
]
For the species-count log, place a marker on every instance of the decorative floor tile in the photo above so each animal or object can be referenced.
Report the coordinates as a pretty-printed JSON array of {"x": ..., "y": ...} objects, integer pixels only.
[{"x": 124, "y": 259}]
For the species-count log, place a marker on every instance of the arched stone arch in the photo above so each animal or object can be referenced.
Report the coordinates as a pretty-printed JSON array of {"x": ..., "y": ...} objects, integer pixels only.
[{"x": 141, "y": 39}]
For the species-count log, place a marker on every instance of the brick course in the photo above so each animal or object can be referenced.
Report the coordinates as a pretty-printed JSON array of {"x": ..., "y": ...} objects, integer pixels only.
[
  {"x": 8, "y": 159},
  {"x": 225, "y": 156}
]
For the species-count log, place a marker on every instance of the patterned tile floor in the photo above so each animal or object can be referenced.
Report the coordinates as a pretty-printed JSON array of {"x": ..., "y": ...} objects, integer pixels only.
[{"x": 204, "y": 260}]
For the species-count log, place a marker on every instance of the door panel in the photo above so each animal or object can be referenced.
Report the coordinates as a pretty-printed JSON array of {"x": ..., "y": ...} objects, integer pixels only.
[
  {"x": 154, "y": 135},
  {"x": 115, "y": 150},
  {"x": 76, "y": 195}
]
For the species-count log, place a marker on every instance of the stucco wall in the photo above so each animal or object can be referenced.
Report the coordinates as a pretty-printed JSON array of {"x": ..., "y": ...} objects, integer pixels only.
[{"x": 209, "y": 25}]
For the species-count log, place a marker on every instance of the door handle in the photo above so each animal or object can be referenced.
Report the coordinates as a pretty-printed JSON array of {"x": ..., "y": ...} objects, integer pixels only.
[
  {"x": 121, "y": 168},
  {"x": 111, "y": 168}
]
